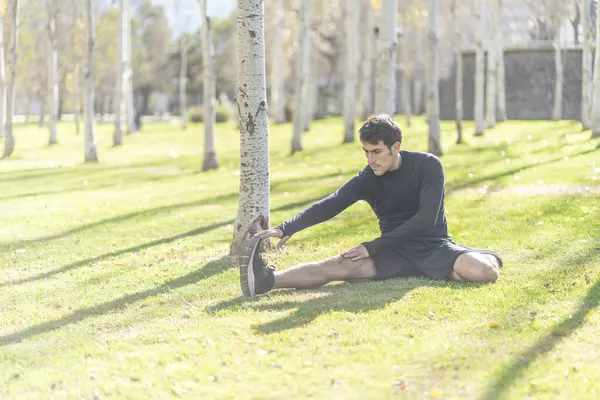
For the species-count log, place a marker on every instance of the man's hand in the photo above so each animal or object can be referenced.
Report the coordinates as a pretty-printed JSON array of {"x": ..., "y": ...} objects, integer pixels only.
[
  {"x": 273, "y": 233},
  {"x": 356, "y": 253}
]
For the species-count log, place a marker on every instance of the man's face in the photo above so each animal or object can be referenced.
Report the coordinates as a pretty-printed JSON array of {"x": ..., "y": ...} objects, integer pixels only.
[{"x": 381, "y": 158}]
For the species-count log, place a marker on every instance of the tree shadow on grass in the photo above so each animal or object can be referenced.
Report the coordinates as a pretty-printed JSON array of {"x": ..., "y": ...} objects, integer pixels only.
[
  {"x": 348, "y": 297},
  {"x": 560, "y": 332},
  {"x": 208, "y": 270}
]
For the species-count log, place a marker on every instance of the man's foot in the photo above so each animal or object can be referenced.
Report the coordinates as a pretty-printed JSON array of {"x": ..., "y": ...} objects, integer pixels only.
[
  {"x": 488, "y": 252},
  {"x": 255, "y": 276}
]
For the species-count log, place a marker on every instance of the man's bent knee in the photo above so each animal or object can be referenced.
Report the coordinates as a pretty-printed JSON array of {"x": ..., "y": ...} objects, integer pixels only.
[
  {"x": 475, "y": 267},
  {"x": 355, "y": 270}
]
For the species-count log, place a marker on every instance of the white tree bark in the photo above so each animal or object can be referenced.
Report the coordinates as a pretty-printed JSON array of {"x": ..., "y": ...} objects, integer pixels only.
[
  {"x": 559, "y": 79},
  {"x": 501, "y": 82},
  {"x": 490, "y": 109},
  {"x": 9, "y": 139},
  {"x": 89, "y": 140},
  {"x": 458, "y": 83},
  {"x": 277, "y": 105},
  {"x": 385, "y": 81},
  {"x": 351, "y": 68},
  {"x": 479, "y": 70},
  {"x": 433, "y": 100},
  {"x": 53, "y": 72},
  {"x": 586, "y": 65},
  {"x": 253, "y": 211},
  {"x": 183, "y": 47},
  {"x": 2, "y": 81},
  {"x": 76, "y": 96},
  {"x": 128, "y": 75},
  {"x": 302, "y": 74},
  {"x": 208, "y": 94},
  {"x": 367, "y": 39},
  {"x": 596, "y": 100},
  {"x": 120, "y": 79}
]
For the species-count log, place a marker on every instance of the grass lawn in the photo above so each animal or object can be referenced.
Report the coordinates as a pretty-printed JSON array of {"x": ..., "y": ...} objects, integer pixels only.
[{"x": 115, "y": 280}]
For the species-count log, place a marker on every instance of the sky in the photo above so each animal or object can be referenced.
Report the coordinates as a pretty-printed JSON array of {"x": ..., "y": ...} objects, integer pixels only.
[{"x": 188, "y": 19}]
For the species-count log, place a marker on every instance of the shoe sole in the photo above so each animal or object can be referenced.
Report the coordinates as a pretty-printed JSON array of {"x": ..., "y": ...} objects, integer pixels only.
[{"x": 247, "y": 268}]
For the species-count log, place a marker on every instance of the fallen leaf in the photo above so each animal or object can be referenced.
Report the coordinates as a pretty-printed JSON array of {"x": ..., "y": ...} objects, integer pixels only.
[
  {"x": 436, "y": 393},
  {"x": 494, "y": 324},
  {"x": 590, "y": 313},
  {"x": 401, "y": 385}
]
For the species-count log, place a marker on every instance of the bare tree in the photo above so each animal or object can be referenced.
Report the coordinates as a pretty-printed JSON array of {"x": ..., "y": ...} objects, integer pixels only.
[
  {"x": 208, "y": 83},
  {"x": 183, "y": 81},
  {"x": 9, "y": 140},
  {"x": 500, "y": 69},
  {"x": 351, "y": 68},
  {"x": 458, "y": 83},
  {"x": 89, "y": 143},
  {"x": 433, "y": 101},
  {"x": 491, "y": 64},
  {"x": 253, "y": 209},
  {"x": 120, "y": 79},
  {"x": 479, "y": 69},
  {"x": 302, "y": 74},
  {"x": 586, "y": 65},
  {"x": 559, "y": 77},
  {"x": 367, "y": 40},
  {"x": 277, "y": 106},
  {"x": 385, "y": 80}
]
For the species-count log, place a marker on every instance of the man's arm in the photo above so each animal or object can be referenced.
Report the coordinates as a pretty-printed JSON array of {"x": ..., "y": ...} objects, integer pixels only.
[
  {"x": 326, "y": 208},
  {"x": 430, "y": 201}
]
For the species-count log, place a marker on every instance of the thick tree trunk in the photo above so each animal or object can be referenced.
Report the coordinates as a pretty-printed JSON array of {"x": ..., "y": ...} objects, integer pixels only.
[
  {"x": 53, "y": 73},
  {"x": 490, "y": 109},
  {"x": 253, "y": 210},
  {"x": 558, "y": 83},
  {"x": 351, "y": 68},
  {"x": 89, "y": 142},
  {"x": 208, "y": 56},
  {"x": 433, "y": 101},
  {"x": 596, "y": 100},
  {"x": 9, "y": 139},
  {"x": 2, "y": 81},
  {"x": 302, "y": 74},
  {"x": 458, "y": 83},
  {"x": 367, "y": 39},
  {"x": 479, "y": 70},
  {"x": 277, "y": 106},
  {"x": 183, "y": 82},
  {"x": 385, "y": 88},
  {"x": 586, "y": 65}
]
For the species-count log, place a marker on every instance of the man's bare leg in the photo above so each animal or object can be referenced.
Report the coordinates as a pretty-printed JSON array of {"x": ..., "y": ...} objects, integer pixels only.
[
  {"x": 475, "y": 267},
  {"x": 315, "y": 274}
]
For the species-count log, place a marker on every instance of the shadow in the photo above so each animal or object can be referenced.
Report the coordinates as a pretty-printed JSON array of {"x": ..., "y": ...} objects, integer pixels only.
[
  {"x": 547, "y": 343},
  {"x": 348, "y": 297},
  {"x": 210, "y": 269},
  {"x": 121, "y": 218},
  {"x": 133, "y": 249}
]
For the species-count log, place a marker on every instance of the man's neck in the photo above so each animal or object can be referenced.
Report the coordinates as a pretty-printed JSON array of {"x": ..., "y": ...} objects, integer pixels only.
[{"x": 398, "y": 163}]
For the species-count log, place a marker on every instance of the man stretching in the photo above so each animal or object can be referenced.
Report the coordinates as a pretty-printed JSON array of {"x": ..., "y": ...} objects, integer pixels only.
[{"x": 405, "y": 189}]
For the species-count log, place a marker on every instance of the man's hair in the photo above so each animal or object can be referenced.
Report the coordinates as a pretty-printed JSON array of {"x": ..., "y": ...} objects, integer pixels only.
[{"x": 383, "y": 128}]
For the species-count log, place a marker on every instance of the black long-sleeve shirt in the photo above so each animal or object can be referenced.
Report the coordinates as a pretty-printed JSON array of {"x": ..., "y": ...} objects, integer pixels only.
[{"x": 409, "y": 202}]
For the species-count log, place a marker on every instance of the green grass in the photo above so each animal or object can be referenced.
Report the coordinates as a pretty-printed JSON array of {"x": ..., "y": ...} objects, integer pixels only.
[{"x": 115, "y": 280}]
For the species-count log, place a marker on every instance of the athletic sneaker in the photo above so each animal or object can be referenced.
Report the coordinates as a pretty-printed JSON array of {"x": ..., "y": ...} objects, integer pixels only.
[
  {"x": 256, "y": 277},
  {"x": 485, "y": 251}
]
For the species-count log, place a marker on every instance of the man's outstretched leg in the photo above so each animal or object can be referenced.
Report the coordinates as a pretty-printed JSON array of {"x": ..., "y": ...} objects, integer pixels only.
[{"x": 257, "y": 278}]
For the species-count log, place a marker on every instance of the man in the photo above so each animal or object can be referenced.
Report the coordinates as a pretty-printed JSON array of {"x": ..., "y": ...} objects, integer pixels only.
[{"x": 406, "y": 191}]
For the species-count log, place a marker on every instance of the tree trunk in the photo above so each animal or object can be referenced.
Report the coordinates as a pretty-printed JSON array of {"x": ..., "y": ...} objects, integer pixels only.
[
  {"x": 9, "y": 140},
  {"x": 183, "y": 81},
  {"x": 351, "y": 68},
  {"x": 42, "y": 119},
  {"x": 596, "y": 100},
  {"x": 386, "y": 59},
  {"x": 208, "y": 57},
  {"x": 253, "y": 211},
  {"x": 3, "y": 82},
  {"x": 302, "y": 74},
  {"x": 277, "y": 65},
  {"x": 586, "y": 65},
  {"x": 575, "y": 23},
  {"x": 407, "y": 67},
  {"x": 76, "y": 96},
  {"x": 27, "y": 109},
  {"x": 433, "y": 101},
  {"x": 406, "y": 80},
  {"x": 558, "y": 83},
  {"x": 120, "y": 80},
  {"x": 479, "y": 71},
  {"x": 458, "y": 83},
  {"x": 367, "y": 38},
  {"x": 501, "y": 80},
  {"x": 53, "y": 73},
  {"x": 128, "y": 75},
  {"x": 417, "y": 93},
  {"x": 490, "y": 109},
  {"x": 89, "y": 141},
  {"x": 105, "y": 107}
]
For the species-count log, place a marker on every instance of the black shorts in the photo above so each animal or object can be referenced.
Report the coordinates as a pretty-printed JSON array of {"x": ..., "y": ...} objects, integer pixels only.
[{"x": 430, "y": 257}]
